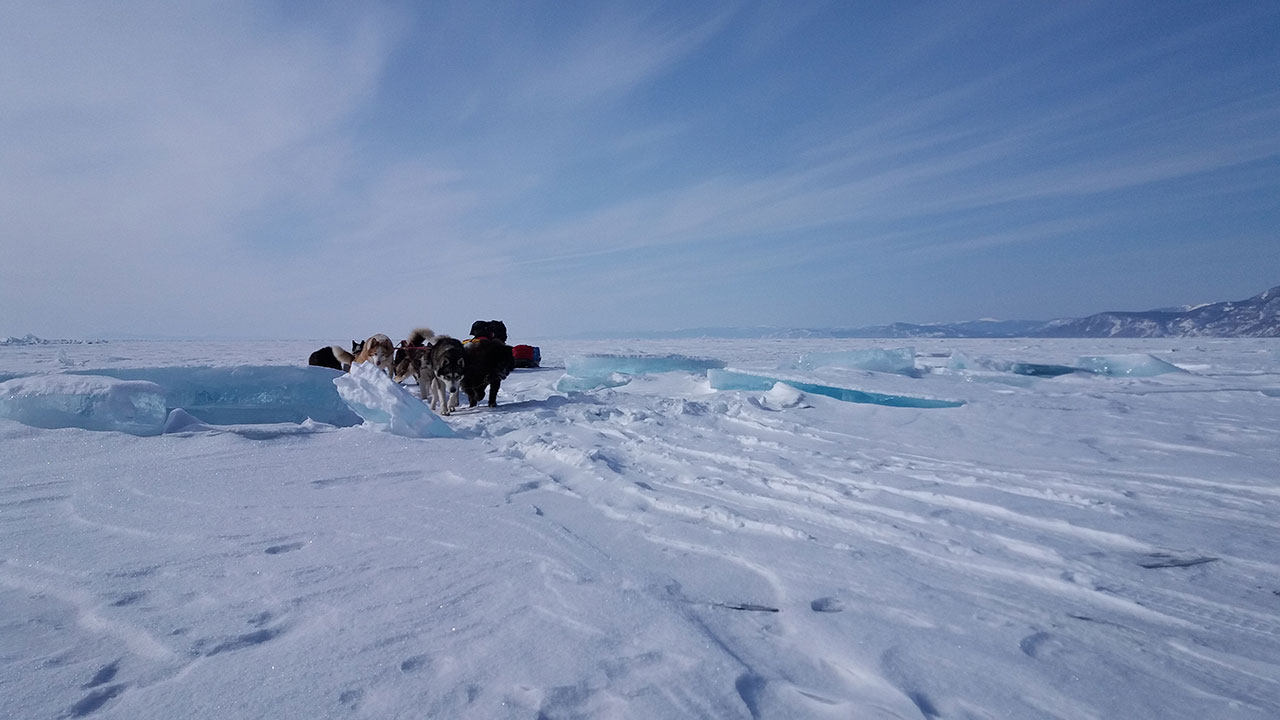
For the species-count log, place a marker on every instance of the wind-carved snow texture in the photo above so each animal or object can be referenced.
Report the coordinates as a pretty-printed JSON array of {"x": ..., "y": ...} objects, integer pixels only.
[
  {"x": 386, "y": 405},
  {"x": 589, "y": 372},
  {"x": 732, "y": 379},
  {"x": 1075, "y": 548},
  {"x": 91, "y": 402}
]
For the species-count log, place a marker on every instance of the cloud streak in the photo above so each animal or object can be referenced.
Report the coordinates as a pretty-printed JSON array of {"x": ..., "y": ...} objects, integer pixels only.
[{"x": 177, "y": 169}]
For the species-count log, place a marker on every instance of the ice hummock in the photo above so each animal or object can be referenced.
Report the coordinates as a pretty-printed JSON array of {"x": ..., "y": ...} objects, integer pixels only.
[
  {"x": 741, "y": 380},
  {"x": 386, "y": 405},
  {"x": 247, "y": 394},
  {"x": 1131, "y": 365},
  {"x": 1135, "y": 365},
  {"x": 782, "y": 396},
  {"x": 588, "y": 372},
  {"x": 90, "y": 402},
  {"x": 960, "y": 361},
  {"x": 900, "y": 361}
]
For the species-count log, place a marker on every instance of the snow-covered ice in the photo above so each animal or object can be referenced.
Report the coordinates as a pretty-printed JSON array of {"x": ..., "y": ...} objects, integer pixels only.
[
  {"x": 92, "y": 402},
  {"x": 892, "y": 360},
  {"x": 1130, "y": 365},
  {"x": 959, "y": 361},
  {"x": 1081, "y": 546},
  {"x": 387, "y": 405},
  {"x": 733, "y": 379},
  {"x": 604, "y": 370},
  {"x": 247, "y": 393}
]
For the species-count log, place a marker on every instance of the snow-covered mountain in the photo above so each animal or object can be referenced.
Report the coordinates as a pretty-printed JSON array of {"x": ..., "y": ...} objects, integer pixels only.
[{"x": 1258, "y": 316}]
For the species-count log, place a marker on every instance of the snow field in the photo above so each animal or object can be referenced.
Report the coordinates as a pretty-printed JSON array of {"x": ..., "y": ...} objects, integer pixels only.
[{"x": 1073, "y": 547}]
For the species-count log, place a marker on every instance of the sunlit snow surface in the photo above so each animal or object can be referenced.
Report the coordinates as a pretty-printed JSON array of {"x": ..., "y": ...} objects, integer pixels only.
[
  {"x": 1079, "y": 546},
  {"x": 605, "y": 370},
  {"x": 386, "y": 405}
]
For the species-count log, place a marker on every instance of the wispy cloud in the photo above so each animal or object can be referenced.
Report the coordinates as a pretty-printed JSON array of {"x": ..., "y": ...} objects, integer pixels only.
[
  {"x": 135, "y": 136},
  {"x": 613, "y": 54},
  {"x": 193, "y": 164}
]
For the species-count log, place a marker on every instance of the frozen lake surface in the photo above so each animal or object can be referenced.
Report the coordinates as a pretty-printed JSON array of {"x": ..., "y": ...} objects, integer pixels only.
[{"x": 1076, "y": 531}]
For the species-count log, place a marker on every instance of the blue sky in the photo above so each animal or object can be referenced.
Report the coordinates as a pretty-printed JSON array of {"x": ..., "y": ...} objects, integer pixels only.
[{"x": 334, "y": 170}]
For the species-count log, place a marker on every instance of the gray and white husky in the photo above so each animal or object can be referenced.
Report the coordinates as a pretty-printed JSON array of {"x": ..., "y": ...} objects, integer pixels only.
[{"x": 438, "y": 362}]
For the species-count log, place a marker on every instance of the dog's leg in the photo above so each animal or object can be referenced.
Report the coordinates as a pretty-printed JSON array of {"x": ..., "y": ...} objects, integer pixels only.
[
  {"x": 453, "y": 395},
  {"x": 440, "y": 395},
  {"x": 493, "y": 392}
]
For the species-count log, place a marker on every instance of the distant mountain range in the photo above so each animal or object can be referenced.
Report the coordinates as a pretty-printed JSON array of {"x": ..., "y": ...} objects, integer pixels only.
[{"x": 1258, "y": 316}]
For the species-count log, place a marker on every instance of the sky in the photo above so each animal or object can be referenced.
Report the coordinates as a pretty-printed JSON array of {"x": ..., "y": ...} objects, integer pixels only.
[{"x": 332, "y": 170}]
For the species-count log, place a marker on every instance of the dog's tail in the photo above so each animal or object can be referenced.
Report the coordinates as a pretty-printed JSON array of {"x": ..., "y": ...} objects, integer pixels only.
[
  {"x": 420, "y": 336},
  {"x": 342, "y": 355}
]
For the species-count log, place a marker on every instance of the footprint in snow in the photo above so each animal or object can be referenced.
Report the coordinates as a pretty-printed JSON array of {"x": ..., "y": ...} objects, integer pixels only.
[
  {"x": 94, "y": 701},
  {"x": 128, "y": 599},
  {"x": 104, "y": 675},
  {"x": 413, "y": 664},
  {"x": 827, "y": 605},
  {"x": 351, "y": 698},
  {"x": 1040, "y": 645}
]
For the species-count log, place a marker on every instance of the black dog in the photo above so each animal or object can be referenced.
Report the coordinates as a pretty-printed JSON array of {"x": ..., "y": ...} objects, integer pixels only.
[
  {"x": 444, "y": 366},
  {"x": 492, "y": 329},
  {"x": 335, "y": 357},
  {"x": 325, "y": 357},
  {"x": 489, "y": 362}
]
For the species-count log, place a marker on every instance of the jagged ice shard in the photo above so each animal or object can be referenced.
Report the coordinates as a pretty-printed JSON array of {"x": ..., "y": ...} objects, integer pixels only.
[
  {"x": 738, "y": 380},
  {"x": 386, "y": 405},
  {"x": 91, "y": 402}
]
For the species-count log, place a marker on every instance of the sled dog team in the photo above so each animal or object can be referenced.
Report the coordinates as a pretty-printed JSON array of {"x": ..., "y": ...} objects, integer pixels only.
[{"x": 442, "y": 365}]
